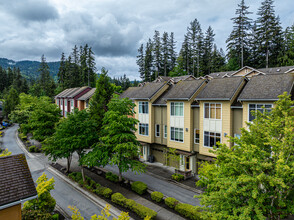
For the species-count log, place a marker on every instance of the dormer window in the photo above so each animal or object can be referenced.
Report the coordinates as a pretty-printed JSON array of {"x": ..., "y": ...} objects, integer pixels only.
[{"x": 143, "y": 107}]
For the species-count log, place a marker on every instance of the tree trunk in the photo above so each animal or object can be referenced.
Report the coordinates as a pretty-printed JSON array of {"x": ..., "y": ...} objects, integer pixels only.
[
  {"x": 69, "y": 158},
  {"x": 119, "y": 174},
  {"x": 82, "y": 168}
]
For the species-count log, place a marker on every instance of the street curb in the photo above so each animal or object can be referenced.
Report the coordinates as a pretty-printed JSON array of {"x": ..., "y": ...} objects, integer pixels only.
[
  {"x": 96, "y": 200},
  {"x": 64, "y": 213},
  {"x": 21, "y": 145}
]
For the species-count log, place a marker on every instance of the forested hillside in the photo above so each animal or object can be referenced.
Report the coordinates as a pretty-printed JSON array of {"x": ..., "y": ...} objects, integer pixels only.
[{"x": 29, "y": 69}]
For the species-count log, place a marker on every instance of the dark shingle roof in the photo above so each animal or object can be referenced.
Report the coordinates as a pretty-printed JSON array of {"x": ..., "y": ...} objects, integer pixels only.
[
  {"x": 162, "y": 99},
  {"x": 16, "y": 182},
  {"x": 72, "y": 92},
  {"x": 267, "y": 87},
  {"x": 276, "y": 70},
  {"x": 87, "y": 95},
  {"x": 220, "y": 89},
  {"x": 221, "y": 74},
  {"x": 76, "y": 92},
  {"x": 145, "y": 92},
  {"x": 184, "y": 90}
]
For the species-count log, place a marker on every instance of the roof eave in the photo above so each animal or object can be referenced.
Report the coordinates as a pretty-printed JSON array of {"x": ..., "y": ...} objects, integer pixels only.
[
  {"x": 248, "y": 100},
  {"x": 17, "y": 202},
  {"x": 211, "y": 99}
]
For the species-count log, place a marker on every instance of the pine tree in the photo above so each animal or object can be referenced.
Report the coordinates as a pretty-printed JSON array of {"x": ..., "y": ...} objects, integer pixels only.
[
  {"x": 75, "y": 68},
  {"x": 62, "y": 72},
  {"x": 172, "y": 51},
  {"x": 4, "y": 79},
  {"x": 141, "y": 62},
  {"x": 195, "y": 37},
  {"x": 45, "y": 81},
  {"x": 269, "y": 32},
  {"x": 208, "y": 46},
  {"x": 148, "y": 73},
  {"x": 91, "y": 68},
  {"x": 287, "y": 59},
  {"x": 238, "y": 41},
  {"x": 185, "y": 55},
  {"x": 218, "y": 60},
  {"x": 165, "y": 53},
  {"x": 157, "y": 51}
]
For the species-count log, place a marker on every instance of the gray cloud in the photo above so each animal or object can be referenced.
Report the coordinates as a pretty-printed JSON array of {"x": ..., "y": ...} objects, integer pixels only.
[
  {"x": 30, "y": 10},
  {"x": 114, "y": 29}
]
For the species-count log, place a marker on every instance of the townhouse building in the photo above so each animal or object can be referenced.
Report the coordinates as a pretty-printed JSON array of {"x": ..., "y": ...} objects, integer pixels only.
[{"x": 190, "y": 115}]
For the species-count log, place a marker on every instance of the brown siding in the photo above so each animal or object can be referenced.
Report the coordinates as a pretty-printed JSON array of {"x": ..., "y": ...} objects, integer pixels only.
[{"x": 11, "y": 213}]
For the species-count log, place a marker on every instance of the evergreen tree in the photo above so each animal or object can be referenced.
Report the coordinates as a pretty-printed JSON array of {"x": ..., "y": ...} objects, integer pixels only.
[
  {"x": 172, "y": 51},
  {"x": 195, "y": 37},
  {"x": 165, "y": 53},
  {"x": 11, "y": 100},
  {"x": 208, "y": 46},
  {"x": 288, "y": 56},
  {"x": 185, "y": 55},
  {"x": 45, "y": 81},
  {"x": 218, "y": 60},
  {"x": 148, "y": 73},
  {"x": 4, "y": 79},
  {"x": 61, "y": 75},
  {"x": 141, "y": 62},
  {"x": 157, "y": 51},
  {"x": 238, "y": 41},
  {"x": 269, "y": 34},
  {"x": 91, "y": 69}
]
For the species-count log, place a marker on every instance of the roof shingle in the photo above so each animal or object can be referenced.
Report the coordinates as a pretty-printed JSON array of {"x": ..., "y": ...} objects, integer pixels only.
[
  {"x": 16, "y": 182},
  {"x": 267, "y": 87}
]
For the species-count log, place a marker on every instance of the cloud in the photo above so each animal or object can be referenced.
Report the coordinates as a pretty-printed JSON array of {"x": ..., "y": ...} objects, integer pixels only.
[
  {"x": 114, "y": 29},
  {"x": 30, "y": 10}
]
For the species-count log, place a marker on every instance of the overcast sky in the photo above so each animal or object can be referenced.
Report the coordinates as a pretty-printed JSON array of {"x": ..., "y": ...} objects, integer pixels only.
[{"x": 113, "y": 28}]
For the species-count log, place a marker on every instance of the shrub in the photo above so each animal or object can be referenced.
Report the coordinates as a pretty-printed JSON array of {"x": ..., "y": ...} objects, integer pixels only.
[
  {"x": 143, "y": 211},
  {"x": 22, "y": 136},
  {"x": 27, "y": 214},
  {"x": 157, "y": 196},
  {"x": 139, "y": 187},
  {"x": 92, "y": 184},
  {"x": 119, "y": 199},
  {"x": 99, "y": 190},
  {"x": 55, "y": 217},
  {"x": 111, "y": 177},
  {"x": 81, "y": 182},
  {"x": 188, "y": 211},
  {"x": 32, "y": 149},
  {"x": 178, "y": 177},
  {"x": 129, "y": 203},
  {"x": 75, "y": 176},
  {"x": 107, "y": 192},
  {"x": 171, "y": 202}
]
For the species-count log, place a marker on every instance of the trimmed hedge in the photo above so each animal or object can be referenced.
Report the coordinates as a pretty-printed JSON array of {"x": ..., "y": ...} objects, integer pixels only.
[
  {"x": 157, "y": 196},
  {"x": 188, "y": 211},
  {"x": 107, "y": 192},
  {"x": 178, "y": 177},
  {"x": 171, "y": 202},
  {"x": 36, "y": 215},
  {"x": 139, "y": 209},
  {"x": 111, "y": 177},
  {"x": 139, "y": 187}
]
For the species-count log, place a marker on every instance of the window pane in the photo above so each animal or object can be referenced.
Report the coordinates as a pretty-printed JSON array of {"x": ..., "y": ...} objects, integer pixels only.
[
  {"x": 181, "y": 110},
  {"x": 206, "y": 113},
  {"x": 206, "y": 138},
  {"x": 212, "y": 111},
  {"x": 218, "y": 113},
  {"x": 172, "y": 109},
  {"x": 172, "y": 134},
  {"x": 181, "y": 134}
]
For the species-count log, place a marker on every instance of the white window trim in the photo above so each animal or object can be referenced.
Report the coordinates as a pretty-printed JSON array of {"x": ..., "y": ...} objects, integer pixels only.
[
  {"x": 165, "y": 131},
  {"x": 195, "y": 136},
  {"x": 256, "y": 108},
  {"x": 175, "y": 140},
  {"x": 209, "y": 111},
  {"x": 143, "y": 134},
  {"x": 213, "y": 132},
  {"x": 157, "y": 131},
  {"x": 142, "y": 105},
  {"x": 177, "y": 115}
]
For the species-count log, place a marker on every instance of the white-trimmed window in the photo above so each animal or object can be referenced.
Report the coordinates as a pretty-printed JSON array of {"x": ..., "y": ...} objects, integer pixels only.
[
  {"x": 165, "y": 131},
  {"x": 196, "y": 136},
  {"x": 65, "y": 104},
  {"x": 72, "y": 103},
  {"x": 87, "y": 103},
  {"x": 157, "y": 130},
  {"x": 177, "y": 109},
  {"x": 212, "y": 110},
  {"x": 177, "y": 134},
  {"x": 143, "y": 129},
  {"x": 60, "y": 102},
  {"x": 237, "y": 136},
  {"x": 258, "y": 107},
  {"x": 211, "y": 138},
  {"x": 143, "y": 107}
]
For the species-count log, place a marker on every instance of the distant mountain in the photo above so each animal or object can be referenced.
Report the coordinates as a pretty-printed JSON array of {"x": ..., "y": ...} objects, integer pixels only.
[{"x": 29, "y": 69}]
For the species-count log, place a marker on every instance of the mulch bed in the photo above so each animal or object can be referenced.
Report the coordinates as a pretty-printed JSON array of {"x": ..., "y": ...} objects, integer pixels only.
[{"x": 125, "y": 184}]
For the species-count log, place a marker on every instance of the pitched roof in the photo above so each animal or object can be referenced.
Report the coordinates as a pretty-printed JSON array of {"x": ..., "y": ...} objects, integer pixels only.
[
  {"x": 71, "y": 92},
  {"x": 220, "y": 88},
  {"x": 184, "y": 90},
  {"x": 76, "y": 92},
  {"x": 267, "y": 87},
  {"x": 16, "y": 182},
  {"x": 87, "y": 95},
  {"x": 162, "y": 99},
  {"x": 147, "y": 91},
  {"x": 276, "y": 70}
]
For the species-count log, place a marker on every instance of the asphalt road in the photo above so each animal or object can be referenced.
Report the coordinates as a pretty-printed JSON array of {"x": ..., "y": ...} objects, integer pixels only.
[
  {"x": 168, "y": 189},
  {"x": 63, "y": 193}
]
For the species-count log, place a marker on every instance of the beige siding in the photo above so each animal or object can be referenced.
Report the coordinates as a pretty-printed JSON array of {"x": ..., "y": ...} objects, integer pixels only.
[
  {"x": 158, "y": 115},
  {"x": 246, "y": 111},
  {"x": 243, "y": 72},
  {"x": 237, "y": 120},
  {"x": 196, "y": 125},
  {"x": 11, "y": 213},
  {"x": 146, "y": 139}
]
